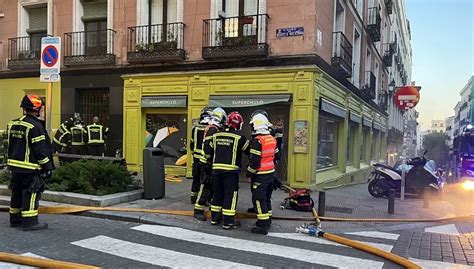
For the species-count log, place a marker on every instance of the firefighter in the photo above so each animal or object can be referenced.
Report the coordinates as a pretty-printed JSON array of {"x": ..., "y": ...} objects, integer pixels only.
[
  {"x": 30, "y": 161},
  {"x": 63, "y": 136},
  {"x": 225, "y": 150},
  {"x": 218, "y": 118},
  {"x": 196, "y": 145},
  {"x": 261, "y": 171},
  {"x": 96, "y": 134},
  {"x": 78, "y": 138}
]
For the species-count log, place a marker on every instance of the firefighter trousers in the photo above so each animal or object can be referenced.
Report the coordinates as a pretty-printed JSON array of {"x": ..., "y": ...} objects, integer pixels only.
[
  {"x": 96, "y": 149},
  {"x": 225, "y": 195},
  {"x": 205, "y": 189},
  {"x": 196, "y": 178},
  {"x": 26, "y": 192},
  {"x": 262, "y": 188},
  {"x": 78, "y": 150}
]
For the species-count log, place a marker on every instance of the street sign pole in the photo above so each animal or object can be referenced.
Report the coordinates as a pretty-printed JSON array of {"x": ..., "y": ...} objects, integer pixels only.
[
  {"x": 404, "y": 155},
  {"x": 49, "y": 72}
]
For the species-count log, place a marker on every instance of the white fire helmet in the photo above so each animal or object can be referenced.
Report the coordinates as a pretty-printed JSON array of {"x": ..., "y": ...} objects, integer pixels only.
[
  {"x": 218, "y": 117},
  {"x": 260, "y": 124}
]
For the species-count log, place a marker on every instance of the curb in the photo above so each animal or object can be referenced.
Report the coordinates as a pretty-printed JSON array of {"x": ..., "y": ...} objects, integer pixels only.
[{"x": 85, "y": 199}]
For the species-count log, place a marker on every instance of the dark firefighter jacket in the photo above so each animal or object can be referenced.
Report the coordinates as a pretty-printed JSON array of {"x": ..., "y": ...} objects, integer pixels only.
[
  {"x": 78, "y": 136},
  {"x": 208, "y": 133},
  {"x": 263, "y": 152},
  {"x": 29, "y": 147},
  {"x": 96, "y": 134},
  {"x": 278, "y": 134},
  {"x": 225, "y": 150},
  {"x": 197, "y": 142},
  {"x": 62, "y": 136}
]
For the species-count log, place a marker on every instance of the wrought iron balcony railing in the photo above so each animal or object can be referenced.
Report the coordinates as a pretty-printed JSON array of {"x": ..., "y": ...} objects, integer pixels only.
[
  {"x": 156, "y": 43},
  {"x": 370, "y": 85},
  {"x": 24, "y": 52},
  {"x": 389, "y": 6},
  {"x": 374, "y": 24},
  {"x": 89, "y": 47},
  {"x": 233, "y": 37},
  {"x": 389, "y": 49},
  {"x": 342, "y": 54}
]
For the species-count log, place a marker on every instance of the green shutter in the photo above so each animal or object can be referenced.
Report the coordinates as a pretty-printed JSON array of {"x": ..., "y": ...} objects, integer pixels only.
[
  {"x": 38, "y": 18},
  {"x": 94, "y": 10}
]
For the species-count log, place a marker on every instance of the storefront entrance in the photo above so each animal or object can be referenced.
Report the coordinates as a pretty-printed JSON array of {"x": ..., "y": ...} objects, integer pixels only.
[{"x": 278, "y": 109}]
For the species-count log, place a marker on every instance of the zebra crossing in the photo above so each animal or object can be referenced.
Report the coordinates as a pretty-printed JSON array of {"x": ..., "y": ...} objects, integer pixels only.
[{"x": 174, "y": 247}]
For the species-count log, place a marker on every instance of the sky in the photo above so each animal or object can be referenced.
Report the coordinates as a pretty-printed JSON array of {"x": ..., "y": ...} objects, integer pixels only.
[{"x": 443, "y": 53}]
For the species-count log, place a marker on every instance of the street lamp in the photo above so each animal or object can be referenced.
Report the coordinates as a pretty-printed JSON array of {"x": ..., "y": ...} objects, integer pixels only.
[{"x": 391, "y": 87}]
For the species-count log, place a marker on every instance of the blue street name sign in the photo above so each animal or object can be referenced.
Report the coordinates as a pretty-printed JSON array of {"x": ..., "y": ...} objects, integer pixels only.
[{"x": 292, "y": 31}]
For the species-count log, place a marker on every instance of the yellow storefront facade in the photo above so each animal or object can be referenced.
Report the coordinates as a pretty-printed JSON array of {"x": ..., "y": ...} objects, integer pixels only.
[
  {"x": 12, "y": 91},
  {"x": 332, "y": 135}
]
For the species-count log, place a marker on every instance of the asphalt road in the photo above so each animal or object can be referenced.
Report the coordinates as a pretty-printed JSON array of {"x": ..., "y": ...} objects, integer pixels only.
[{"x": 116, "y": 244}]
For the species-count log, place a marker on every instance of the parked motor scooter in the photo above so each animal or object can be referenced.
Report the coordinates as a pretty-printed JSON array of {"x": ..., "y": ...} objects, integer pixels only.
[{"x": 420, "y": 173}]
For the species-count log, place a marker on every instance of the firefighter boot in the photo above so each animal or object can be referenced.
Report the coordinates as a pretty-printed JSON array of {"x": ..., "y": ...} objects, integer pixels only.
[
  {"x": 36, "y": 227},
  {"x": 193, "y": 199},
  {"x": 251, "y": 210},
  {"x": 216, "y": 218},
  {"x": 199, "y": 215},
  {"x": 259, "y": 230},
  {"x": 15, "y": 220},
  {"x": 230, "y": 223}
]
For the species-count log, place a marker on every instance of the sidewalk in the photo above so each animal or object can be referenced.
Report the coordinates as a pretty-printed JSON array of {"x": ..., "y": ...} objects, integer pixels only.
[{"x": 345, "y": 202}]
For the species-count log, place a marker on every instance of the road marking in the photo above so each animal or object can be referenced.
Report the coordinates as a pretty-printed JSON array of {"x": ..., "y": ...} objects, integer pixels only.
[
  {"x": 316, "y": 257},
  {"x": 443, "y": 229},
  {"x": 154, "y": 255},
  {"x": 439, "y": 265},
  {"x": 317, "y": 240},
  {"x": 376, "y": 234}
]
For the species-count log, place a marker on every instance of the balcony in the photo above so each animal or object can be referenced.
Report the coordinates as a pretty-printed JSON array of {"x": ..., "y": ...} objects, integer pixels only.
[
  {"x": 156, "y": 43},
  {"x": 389, "y": 49},
  {"x": 389, "y": 6},
  {"x": 370, "y": 85},
  {"x": 374, "y": 24},
  {"x": 235, "y": 37},
  {"x": 342, "y": 54},
  {"x": 24, "y": 52},
  {"x": 89, "y": 48}
]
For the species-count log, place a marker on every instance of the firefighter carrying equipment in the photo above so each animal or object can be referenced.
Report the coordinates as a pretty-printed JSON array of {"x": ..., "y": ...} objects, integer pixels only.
[
  {"x": 96, "y": 134},
  {"x": 77, "y": 136},
  {"x": 28, "y": 146}
]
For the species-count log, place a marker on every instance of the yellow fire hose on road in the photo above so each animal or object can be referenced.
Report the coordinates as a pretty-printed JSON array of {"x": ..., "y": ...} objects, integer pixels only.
[
  {"x": 78, "y": 209},
  {"x": 41, "y": 263}
]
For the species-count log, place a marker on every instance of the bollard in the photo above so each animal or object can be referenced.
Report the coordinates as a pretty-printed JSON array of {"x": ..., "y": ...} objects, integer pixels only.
[
  {"x": 391, "y": 201},
  {"x": 322, "y": 203},
  {"x": 426, "y": 197}
]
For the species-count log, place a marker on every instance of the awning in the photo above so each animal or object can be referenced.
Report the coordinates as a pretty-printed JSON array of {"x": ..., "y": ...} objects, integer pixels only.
[
  {"x": 355, "y": 118},
  {"x": 164, "y": 101},
  {"x": 367, "y": 122},
  {"x": 247, "y": 100},
  {"x": 333, "y": 109}
]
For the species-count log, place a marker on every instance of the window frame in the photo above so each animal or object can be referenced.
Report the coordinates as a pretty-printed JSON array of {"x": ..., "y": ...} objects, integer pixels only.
[
  {"x": 324, "y": 116},
  {"x": 351, "y": 146}
]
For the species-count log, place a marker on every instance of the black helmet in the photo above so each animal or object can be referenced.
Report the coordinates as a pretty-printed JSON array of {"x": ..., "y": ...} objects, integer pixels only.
[
  {"x": 259, "y": 111},
  {"x": 31, "y": 102}
]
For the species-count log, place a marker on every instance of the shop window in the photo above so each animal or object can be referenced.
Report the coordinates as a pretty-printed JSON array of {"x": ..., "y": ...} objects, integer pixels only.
[
  {"x": 94, "y": 102},
  {"x": 373, "y": 147},
  {"x": 365, "y": 140},
  {"x": 351, "y": 142},
  {"x": 328, "y": 132},
  {"x": 167, "y": 131}
]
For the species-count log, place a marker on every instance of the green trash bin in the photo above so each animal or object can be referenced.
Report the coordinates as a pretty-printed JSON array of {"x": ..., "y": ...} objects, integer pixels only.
[{"x": 153, "y": 173}]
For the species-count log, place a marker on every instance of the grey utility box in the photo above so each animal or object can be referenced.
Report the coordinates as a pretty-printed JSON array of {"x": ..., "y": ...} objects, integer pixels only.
[{"x": 153, "y": 173}]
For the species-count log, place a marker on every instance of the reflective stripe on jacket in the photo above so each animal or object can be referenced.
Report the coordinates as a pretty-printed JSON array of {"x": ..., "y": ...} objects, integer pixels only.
[
  {"x": 77, "y": 136},
  {"x": 96, "y": 133}
]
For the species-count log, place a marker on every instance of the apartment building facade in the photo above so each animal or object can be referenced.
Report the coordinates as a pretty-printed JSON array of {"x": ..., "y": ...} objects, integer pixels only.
[{"x": 321, "y": 69}]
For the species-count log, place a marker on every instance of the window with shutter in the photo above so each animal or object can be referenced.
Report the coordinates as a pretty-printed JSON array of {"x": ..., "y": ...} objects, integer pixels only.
[
  {"x": 38, "y": 20},
  {"x": 94, "y": 10},
  {"x": 2, "y": 8}
]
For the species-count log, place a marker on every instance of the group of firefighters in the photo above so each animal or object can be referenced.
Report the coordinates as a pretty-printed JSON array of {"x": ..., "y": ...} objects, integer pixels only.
[
  {"x": 74, "y": 137},
  {"x": 217, "y": 147}
]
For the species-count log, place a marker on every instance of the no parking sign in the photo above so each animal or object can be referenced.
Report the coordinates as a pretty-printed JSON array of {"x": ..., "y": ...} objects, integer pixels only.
[{"x": 50, "y": 59}]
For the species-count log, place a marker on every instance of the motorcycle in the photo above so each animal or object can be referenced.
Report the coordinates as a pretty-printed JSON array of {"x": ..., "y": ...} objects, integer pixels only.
[{"x": 419, "y": 173}]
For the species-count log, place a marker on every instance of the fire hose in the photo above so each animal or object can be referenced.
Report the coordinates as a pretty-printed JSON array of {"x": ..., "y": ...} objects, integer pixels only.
[{"x": 314, "y": 229}]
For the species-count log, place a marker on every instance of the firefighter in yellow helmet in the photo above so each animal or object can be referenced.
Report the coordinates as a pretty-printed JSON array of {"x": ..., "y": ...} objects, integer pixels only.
[
  {"x": 30, "y": 161},
  {"x": 261, "y": 171}
]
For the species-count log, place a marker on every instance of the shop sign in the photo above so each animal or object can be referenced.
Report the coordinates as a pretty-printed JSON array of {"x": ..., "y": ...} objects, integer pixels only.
[
  {"x": 291, "y": 31},
  {"x": 164, "y": 101},
  {"x": 247, "y": 101}
]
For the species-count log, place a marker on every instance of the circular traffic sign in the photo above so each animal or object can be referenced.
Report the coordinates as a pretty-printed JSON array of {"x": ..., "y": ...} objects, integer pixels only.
[
  {"x": 407, "y": 97},
  {"x": 50, "y": 56}
]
